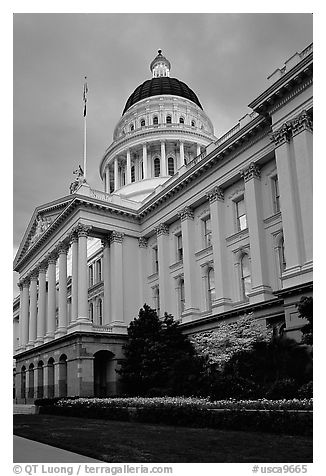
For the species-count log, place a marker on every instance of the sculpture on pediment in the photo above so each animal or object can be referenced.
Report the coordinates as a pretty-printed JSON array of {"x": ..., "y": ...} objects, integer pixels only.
[
  {"x": 42, "y": 224},
  {"x": 80, "y": 178}
]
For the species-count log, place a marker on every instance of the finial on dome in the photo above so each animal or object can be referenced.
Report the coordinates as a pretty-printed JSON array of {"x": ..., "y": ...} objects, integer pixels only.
[{"x": 160, "y": 66}]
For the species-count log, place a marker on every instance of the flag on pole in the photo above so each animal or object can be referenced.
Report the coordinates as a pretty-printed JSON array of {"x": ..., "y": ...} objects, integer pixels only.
[{"x": 85, "y": 95}]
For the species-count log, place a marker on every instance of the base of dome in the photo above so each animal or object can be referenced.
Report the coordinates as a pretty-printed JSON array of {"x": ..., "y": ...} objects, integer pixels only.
[{"x": 139, "y": 191}]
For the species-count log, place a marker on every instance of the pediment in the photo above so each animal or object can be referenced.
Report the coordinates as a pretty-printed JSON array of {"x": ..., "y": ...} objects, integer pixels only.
[{"x": 44, "y": 217}]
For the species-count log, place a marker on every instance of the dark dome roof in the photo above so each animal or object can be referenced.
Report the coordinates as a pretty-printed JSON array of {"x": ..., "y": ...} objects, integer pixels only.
[{"x": 158, "y": 86}]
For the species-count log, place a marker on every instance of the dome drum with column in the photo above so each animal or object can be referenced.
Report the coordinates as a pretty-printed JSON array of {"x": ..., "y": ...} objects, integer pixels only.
[{"x": 162, "y": 129}]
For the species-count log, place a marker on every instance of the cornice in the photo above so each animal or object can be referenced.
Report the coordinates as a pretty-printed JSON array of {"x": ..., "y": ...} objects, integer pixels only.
[{"x": 288, "y": 82}]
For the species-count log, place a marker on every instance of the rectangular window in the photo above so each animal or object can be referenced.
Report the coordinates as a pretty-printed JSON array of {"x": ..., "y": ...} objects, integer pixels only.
[
  {"x": 91, "y": 276},
  {"x": 179, "y": 247},
  {"x": 207, "y": 232},
  {"x": 241, "y": 216},
  {"x": 99, "y": 270},
  {"x": 276, "y": 194},
  {"x": 155, "y": 259}
]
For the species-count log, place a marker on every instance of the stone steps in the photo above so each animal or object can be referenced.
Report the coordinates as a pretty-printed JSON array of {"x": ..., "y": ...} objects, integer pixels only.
[{"x": 22, "y": 409}]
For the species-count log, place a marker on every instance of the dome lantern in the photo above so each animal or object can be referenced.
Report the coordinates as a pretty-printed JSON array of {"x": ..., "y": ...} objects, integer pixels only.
[{"x": 160, "y": 66}]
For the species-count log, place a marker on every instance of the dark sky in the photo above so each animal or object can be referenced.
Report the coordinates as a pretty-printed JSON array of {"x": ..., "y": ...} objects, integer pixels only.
[{"x": 224, "y": 58}]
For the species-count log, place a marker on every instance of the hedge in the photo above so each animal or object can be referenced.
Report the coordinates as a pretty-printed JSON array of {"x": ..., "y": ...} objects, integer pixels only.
[{"x": 224, "y": 415}]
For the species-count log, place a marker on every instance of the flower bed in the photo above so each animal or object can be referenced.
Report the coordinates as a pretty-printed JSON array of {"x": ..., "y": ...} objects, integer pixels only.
[{"x": 280, "y": 416}]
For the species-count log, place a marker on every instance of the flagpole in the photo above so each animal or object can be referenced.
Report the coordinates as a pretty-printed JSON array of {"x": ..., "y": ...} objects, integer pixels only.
[
  {"x": 85, "y": 125},
  {"x": 85, "y": 155}
]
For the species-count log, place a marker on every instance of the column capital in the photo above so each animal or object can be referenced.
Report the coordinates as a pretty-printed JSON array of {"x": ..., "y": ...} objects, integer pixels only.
[
  {"x": 52, "y": 257},
  {"x": 63, "y": 247},
  {"x": 186, "y": 213},
  {"x": 82, "y": 230},
  {"x": 116, "y": 237},
  {"x": 214, "y": 194},
  {"x": 26, "y": 282},
  {"x": 42, "y": 267},
  {"x": 142, "y": 242},
  {"x": 281, "y": 135},
  {"x": 20, "y": 285},
  {"x": 301, "y": 123},
  {"x": 252, "y": 171},
  {"x": 34, "y": 275},
  {"x": 105, "y": 241},
  {"x": 73, "y": 237},
  {"x": 161, "y": 229}
]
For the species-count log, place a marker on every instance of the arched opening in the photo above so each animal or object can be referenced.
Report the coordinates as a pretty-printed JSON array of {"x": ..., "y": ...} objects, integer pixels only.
[
  {"x": 181, "y": 120},
  {"x": 99, "y": 312},
  {"x": 63, "y": 376},
  {"x": 168, "y": 119},
  {"x": 157, "y": 167},
  {"x": 104, "y": 374},
  {"x": 182, "y": 295},
  {"x": 142, "y": 123},
  {"x": 23, "y": 382},
  {"x": 155, "y": 120},
  {"x": 193, "y": 123},
  {"x": 31, "y": 381},
  {"x": 40, "y": 379},
  {"x": 50, "y": 389},
  {"x": 171, "y": 166},
  {"x": 91, "y": 311}
]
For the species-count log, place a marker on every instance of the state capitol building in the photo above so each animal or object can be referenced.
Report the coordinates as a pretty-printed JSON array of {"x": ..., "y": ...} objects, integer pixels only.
[{"x": 205, "y": 228}]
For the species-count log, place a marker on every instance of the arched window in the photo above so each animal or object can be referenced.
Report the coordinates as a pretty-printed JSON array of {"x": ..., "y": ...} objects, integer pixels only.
[
  {"x": 91, "y": 311},
  {"x": 99, "y": 312},
  {"x": 182, "y": 295},
  {"x": 211, "y": 286},
  {"x": 142, "y": 123},
  {"x": 23, "y": 382},
  {"x": 99, "y": 270},
  {"x": 193, "y": 123},
  {"x": 245, "y": 276},
  {"x": 171, "y": 166},
  {"x": 131, "y": 127},
  {"x": 157, "y": 167},
  {"x": 155, "y": 120},
  {"x": 182, "y": 120},
  {"x": 169, "y": 119},
  {"x": 133, "y": 173}
]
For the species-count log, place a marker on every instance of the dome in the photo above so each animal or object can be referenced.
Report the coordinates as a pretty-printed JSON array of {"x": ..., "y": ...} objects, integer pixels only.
[{"x": 159, "y": 86}]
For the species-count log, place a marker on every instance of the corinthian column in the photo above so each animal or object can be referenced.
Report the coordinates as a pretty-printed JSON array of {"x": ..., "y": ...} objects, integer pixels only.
[
  {"x": 74, "y": 277},
  {"x": 62, "y": 324},
  {"x": 162, "y": 232},
  {"x": 41, "y": 312},
  {"x": 116, "y": 174},
  {"x": 116, "y": 245},
  {"x": 25, "y": 312},
  {"x": 145, "y": 168},
  {"x": 163, "y": 159},
  {"x": 52, "y": 261},
  {"x": 128, "y": 167},
  {"x": 82, "y": 231},
  {"x": 32, "y": 311}
]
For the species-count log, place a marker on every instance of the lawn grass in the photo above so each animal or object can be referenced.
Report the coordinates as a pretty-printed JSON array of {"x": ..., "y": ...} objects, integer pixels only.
[{"x": 126, "y": 442}]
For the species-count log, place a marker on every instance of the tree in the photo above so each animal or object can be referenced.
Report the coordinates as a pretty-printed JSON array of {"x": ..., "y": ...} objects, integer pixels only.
[
  {"x": 229, "y": 338},
  {"x": 305, "y": 308},
  {"x": 159, "y": 359}
]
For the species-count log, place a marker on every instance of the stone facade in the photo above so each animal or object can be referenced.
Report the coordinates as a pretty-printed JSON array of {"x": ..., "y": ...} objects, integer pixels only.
[{"x": 221, "y": 229}]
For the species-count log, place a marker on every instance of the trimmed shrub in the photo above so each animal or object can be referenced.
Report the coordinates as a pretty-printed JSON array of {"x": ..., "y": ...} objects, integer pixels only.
[{"x": 306, "y": 391}]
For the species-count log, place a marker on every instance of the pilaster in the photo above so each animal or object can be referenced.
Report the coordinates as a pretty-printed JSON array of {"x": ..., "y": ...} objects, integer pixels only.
[
  {"x": 142, "y": 243},
  {"x": 116, "y": 273},
  {"x": 222, "y": 284},
  {"x": 106, "y": 281},
  {"x": 189, "y": 265},
  {"x": 261, "y": 290},
  {"x": 162, "y": 232}
]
